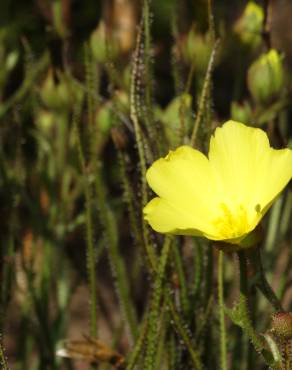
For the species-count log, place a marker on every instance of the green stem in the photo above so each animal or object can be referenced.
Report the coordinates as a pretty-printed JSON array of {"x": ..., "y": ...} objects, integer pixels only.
[
  {"x": 223, "y": 349},
  {"x": 211, "y": 19},
  {"x": 129, "y": 199},
  {"x": 180, "y": 327},
  {"x": 262, "y": 282},
  {"x": 148, "y": 74},
  {"x": 152, "y": 337},
  {"x": 198, "y": 267},
  {"x": 204, "y": 95},
  {"x": 142, "y": 157},
  {"x": 134, "y": 355},
  {"x": 183, "y": 289},
  {"x": 25, "y": 88},
  {"x": 243, "y": 303},
  {"x": 90, "y": 258},
  {"x": 137, "y": 129},
  {"x": 109, "y": 223},
  {"x": 89, "y": 227},
  {"x": 243, "y": 309}
]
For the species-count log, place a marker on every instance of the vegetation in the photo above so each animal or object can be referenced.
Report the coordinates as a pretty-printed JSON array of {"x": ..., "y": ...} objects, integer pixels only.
[{"x": 91, "y": 93}]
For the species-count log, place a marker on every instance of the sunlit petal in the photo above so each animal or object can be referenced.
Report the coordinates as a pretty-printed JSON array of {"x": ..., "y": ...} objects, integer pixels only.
[
  {"x": 165, "y": 218},
  {"x": 248, "y": 171},
  {"x": 184, "y": 179}
]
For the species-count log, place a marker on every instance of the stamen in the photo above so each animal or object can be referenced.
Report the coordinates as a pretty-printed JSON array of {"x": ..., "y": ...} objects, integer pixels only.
[{"x": 232, "y": 224}]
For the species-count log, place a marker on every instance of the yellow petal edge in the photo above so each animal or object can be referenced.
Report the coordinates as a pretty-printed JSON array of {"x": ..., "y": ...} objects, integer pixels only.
[{"x": 222, "y": 197}]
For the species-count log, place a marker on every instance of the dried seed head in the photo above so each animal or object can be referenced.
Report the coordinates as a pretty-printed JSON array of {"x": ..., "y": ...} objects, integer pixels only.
[{"x": 282, "y": 325}]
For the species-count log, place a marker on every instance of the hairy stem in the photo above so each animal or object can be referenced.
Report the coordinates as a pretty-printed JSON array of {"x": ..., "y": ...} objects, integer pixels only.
[
  {"x": 262, "y": 282},
  {"x": 152, "y": 338},
  {"x": 223, "y": 350},
  {"x": 243, "y": 309}
]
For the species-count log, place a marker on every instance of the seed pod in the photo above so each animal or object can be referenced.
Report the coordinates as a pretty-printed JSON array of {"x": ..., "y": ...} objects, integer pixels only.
[{"x": 282, "y": 325}]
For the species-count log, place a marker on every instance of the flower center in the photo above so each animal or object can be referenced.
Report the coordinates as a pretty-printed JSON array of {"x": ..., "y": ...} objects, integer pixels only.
[{"x": 231, "y": 224}]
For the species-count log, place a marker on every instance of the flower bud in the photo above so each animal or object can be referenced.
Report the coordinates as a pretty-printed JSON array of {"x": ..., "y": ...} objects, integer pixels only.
[
  {"x": 121, "y": 101},
  {"x": 59, "y": 93},
  {"x": 241, "y": 112},
  {"x": 266, "y": 77},
  {"x": 197, "y": 48},
  {"x": 282, "y": 325},
  {"x": 249, "y": 25},
  {"x": 8, "y": 63},
  {"x": 48, "y": 91},
  {"x": 103, "y": 46},
  {"x": 59, "y": 19},
  {"x": 45, "y": 121},
  {"x": 178, "y": 113},
  {"x": 11, "y": 60},
  {"x": 54, "y": 94},
  {"x": 104, "y": 118}
]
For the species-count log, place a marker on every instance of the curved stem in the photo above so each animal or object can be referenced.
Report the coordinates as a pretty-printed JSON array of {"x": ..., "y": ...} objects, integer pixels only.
[
  {"x": 262, "y": 282},
  {"x": 223, "y": 350},
  {"x": 243, "y": 309}
]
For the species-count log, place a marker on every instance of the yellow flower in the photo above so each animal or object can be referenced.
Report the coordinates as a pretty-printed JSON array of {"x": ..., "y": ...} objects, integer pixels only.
[{"x": 222, "y": 197}]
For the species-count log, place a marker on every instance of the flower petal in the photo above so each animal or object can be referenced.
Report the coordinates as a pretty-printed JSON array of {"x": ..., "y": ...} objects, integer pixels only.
[
  {"x": 235, "y": 152},
  {"x": 248, "y": 171},
  {"x": 184, "y": 180},
  {"x": 273, "y": 175},
  {"x": 164, "y": 218}
]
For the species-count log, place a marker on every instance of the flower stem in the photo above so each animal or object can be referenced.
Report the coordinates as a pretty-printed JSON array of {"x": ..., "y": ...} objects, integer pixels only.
[
  {"x": 243, "y": 302},
  {"x": 262, "y": 282},
  {"x": 181, "y": 329},
  {"x": 90, "y": 252},
  {"x": 243, "y": 309},
  {"x": 223, "y": 350},
  {"x": 287, "y": 356},
  {"x": 154, "y": 314},
  {"x": 91, "y": 260},
  {"x": 205, "y": 92}
]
